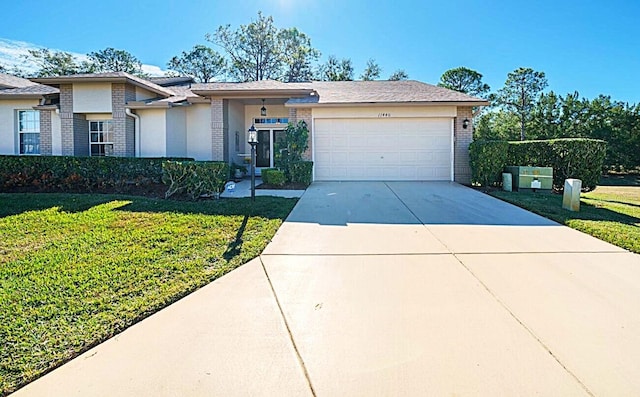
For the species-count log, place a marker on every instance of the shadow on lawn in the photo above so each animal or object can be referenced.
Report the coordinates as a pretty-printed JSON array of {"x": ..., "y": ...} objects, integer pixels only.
[{"x": 266, "y": 207}]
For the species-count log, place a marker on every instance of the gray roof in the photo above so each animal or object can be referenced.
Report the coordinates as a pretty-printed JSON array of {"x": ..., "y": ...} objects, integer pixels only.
[
  {"x": 345, "y": 92},
  {"x": 32, "y": 91},
  {"x": 171, "y": 81},
  {"x": 107, "y": 77},
  {"x": 10, "y": 81}
]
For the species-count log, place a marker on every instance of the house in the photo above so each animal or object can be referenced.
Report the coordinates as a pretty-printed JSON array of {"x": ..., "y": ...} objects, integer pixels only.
[{"x": 359, "y": 130}]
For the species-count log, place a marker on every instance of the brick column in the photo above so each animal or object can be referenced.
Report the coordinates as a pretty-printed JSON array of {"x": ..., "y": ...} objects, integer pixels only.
[
  {"x": 123, "y": 126},
  {"x": 46, "y": 140},
  {"x": 217, "y": 129},
  {"x": 463, "y": 137},
  {"x": 66, "y": 119},
  {"x": 293, "y": 115},
  {"x": 304, "y": 114}
]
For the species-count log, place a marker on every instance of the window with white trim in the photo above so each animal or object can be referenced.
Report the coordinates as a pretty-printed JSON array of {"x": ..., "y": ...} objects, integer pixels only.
[
  {"x": 101, "y": 138},
  {"x": 29, "y": 131}
]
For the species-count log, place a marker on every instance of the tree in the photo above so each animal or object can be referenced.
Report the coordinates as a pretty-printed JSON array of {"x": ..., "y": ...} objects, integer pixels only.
[
  {"x": 371, "y": 71},
  {"x": 58, "y": 63},
  {"x": 399, "y": 74},
  {"x": 3, "y": 69},
  {"x": 255, "y": 51},
  {"x": 113, "y": 60},
  {"x": 520, "y": 93},
  {"x": 297, "y": 55},
  {"x": 464, "y": 80},
  {"x": 335, "y": 70},
  {"x": 201, "y": 62}
]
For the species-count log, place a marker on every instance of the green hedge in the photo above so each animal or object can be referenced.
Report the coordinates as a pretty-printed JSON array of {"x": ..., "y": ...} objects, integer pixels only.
[
  {"x": 301, "y": 172},
  {"x": 487, "y": 160},
  {"x": 195, "y": 178},
  {"x": 273, "y": 176},
  {"x": 55, "y": 173},
  {"x": 580, "y": 158}
]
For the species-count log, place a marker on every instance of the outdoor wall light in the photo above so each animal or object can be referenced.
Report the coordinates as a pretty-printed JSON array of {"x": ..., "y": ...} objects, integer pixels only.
[
  {"x": 263, "y": 110},
  {"x": 253, "y": 141},
  {"x": 465, "y": 123}
]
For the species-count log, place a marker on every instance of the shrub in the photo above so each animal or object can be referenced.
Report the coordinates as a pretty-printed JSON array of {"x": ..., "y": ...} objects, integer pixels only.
[
  {"x": 291, "y": 146},
  {"x": 487, "y": 160},
  {"x": 272, "y": 176},
  {"x": 579, "y": 158},
  {"x": 55, "y": 173},
  {"x": 301, "y": 172},
  {"x": 195, "y": 178}
]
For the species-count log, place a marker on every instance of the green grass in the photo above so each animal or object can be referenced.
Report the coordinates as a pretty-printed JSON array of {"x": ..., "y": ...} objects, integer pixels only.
[
  {"x": 610, "y": 213},
  {"x": 77, "y": 269}
]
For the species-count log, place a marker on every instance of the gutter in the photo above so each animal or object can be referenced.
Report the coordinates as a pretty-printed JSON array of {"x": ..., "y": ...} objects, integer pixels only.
[{"x": 136, "y": 127}]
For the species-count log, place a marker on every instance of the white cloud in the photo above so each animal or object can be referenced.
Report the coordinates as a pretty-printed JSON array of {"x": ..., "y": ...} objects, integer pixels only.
[{"x": 11, "y": 52}]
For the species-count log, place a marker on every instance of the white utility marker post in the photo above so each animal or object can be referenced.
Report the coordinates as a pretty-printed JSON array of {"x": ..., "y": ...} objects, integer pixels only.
[
  {"x": 507, "y": 181},
  {"x": 571, "y": 197}
]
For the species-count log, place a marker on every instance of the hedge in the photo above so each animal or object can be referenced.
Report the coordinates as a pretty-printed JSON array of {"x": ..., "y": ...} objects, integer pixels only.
[
  {"x": 273, "y": 176},
  {"x": 301, "y": 172},
  {"x": 580, "y": 158},
  {"x": 487, "y": 160},
  {"x": 55, "y": 173},
  {"x": 195, "y": 178}
]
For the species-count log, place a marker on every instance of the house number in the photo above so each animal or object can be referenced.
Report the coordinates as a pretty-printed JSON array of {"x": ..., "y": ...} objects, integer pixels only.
[{"x": 384, "y": 114}]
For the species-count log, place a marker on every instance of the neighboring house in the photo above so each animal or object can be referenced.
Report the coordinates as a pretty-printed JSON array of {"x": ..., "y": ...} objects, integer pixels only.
[{"x": 359, "y": 130}]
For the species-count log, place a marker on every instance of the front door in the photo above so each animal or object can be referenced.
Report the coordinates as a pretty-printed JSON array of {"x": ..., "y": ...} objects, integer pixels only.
[
  {"x": 267, "y": 147},
  {"x": 263, "y": 149}
]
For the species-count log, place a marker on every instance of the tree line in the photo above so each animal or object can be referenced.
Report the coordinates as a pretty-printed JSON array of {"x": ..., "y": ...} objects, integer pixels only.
[{"x": 521, "y": 110}]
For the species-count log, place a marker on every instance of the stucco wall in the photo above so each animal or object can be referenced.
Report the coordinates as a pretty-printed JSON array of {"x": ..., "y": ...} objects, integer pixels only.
[
  {"x": 8, "y": 126},
  {"x": 176, "y": 132},
  {"x": 198, "y": 118},
  {"x": 56, "y": 134},
  {"x": 142, "y": 94},
  {"x": 153, "y": 139},
  {"x": 92, "y": 98},
  {"x": 237, "y": 124}
]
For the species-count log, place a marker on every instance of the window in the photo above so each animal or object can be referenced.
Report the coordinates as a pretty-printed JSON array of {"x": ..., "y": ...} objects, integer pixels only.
[
  {"x": 101, "y": 138},
  {"x": 29, "y": 131},
  {"x": 280, "y": 120}
]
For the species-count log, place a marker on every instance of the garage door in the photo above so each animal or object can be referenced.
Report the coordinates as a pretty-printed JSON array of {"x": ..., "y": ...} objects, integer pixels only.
[{"x": 382, "y": 149}]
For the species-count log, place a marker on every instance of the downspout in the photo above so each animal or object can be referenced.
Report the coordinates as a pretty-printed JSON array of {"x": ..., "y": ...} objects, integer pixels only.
[{"x": 136, "y": 127}]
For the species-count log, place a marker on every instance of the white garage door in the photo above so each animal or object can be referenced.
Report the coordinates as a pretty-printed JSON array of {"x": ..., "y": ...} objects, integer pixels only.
[{"x": 383, "y": 149}]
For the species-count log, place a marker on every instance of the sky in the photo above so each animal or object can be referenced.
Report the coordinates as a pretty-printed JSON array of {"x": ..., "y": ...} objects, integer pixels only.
[{"x": 592, "y": 47}]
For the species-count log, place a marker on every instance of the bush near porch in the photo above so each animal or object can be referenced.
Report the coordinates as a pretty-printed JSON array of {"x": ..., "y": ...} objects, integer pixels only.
[{"x": 579, "y": 158}]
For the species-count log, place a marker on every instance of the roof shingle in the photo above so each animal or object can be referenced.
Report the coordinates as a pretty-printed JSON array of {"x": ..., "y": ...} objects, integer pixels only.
[{"x": 10, "y": 81}]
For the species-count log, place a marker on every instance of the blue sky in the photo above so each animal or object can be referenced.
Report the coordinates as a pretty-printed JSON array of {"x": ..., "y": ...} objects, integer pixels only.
[{"x": 591, "y": 47}]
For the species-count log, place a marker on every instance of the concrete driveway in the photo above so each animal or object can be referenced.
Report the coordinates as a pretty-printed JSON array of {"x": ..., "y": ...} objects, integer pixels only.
[{"x": 391, "y": 289}]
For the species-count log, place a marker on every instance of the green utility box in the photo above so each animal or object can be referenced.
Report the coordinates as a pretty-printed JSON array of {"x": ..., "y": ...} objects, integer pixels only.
[{"x": 531, "y": 178}]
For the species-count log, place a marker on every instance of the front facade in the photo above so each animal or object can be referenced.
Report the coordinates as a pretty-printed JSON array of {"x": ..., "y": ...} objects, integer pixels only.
[{"x": 374, "y": 130}]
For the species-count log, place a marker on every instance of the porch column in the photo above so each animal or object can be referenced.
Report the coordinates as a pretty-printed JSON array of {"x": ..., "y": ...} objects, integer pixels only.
[
  {"x": 217, "y": 129},
  {"x": 463, "y": 137},
  {"x": 46, "y": 143}
]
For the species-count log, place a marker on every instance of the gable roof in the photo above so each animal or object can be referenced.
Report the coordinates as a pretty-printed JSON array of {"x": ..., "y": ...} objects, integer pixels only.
[
  {"x": 271, "y": 88},
  {"x": 383, "y": 91},
  {"x": 10, "y": 81},
  {"x": 166, "y": 81},
  {"x": 327, "y": 93},
  {"x": 110, "y": 77}
]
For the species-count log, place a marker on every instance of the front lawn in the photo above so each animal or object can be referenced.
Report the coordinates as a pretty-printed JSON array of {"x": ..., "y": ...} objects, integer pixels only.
[
  {"x": 77, "y": 269},
  {"x": 610, "y": 213}
]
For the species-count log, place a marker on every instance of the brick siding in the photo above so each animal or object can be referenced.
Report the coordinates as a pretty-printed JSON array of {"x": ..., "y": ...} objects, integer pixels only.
[
  {"x": 66, "y": 119},
  {"x": 217, "y": 129},
  {"x": 46, "y": 140},
  {"x": 463, "y": 137},
  {"x": 123, "y": 125}
]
